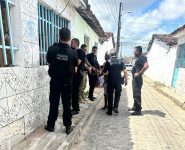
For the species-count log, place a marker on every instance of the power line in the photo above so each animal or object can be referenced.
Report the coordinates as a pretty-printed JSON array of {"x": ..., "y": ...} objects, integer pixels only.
[
  {"x": 110, "y": 10},
  {"x": 64, "y": 8},
  {"x": 134, "y": 39},
  {"x": 116, "y": 4},
  {"x": 157, "y": 23},
  {"x": 99, "y": 8},
  {"x": 102, "y": 10},
  {"x": 133, "y": 43},
  {"x": 114, "y": 8},
  {"x": 144, "y": 22}
]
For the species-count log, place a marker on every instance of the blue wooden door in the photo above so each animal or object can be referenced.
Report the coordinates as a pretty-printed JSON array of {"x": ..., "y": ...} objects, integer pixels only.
[
  {"x": 180, "y": 63},
  {"x": 175, "y": 76}
]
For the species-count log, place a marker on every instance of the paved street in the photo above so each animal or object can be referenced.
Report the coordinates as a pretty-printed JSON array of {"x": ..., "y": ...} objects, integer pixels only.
[{"x": 161, "y": 127}]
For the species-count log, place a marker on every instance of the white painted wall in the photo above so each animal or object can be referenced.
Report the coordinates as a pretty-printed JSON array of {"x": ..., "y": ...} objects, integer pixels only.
[
  {"x": 181, "y": 40},
  {"x": 24, "y": 89},
  {"x": 161, "y": 61},
  {"x": 83, "y": 29},
  {"x": 106, "y": 46},
  {"x": 180, "y": 86}
]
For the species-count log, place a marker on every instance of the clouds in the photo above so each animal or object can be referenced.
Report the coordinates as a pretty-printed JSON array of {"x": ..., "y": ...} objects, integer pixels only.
[
  {"x": 167, "y": 13},
  {"x": 107, "y": 10},
  {"x": 171, "y": 9},
  {"x": 145, "y": 20}
]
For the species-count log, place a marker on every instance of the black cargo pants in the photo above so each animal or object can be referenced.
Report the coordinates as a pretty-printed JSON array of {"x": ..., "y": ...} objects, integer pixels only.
[
  {"x": 137, "y": 84},
  {"x": 59, "y": 89},
  {"x": 113, "y": 85},
  {"x": 92, "y": 84},
  {"x": 76, "y": 88}
]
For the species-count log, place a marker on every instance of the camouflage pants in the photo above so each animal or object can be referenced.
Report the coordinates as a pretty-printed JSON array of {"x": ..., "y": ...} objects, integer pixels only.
[{"x": 82, "y": 87}]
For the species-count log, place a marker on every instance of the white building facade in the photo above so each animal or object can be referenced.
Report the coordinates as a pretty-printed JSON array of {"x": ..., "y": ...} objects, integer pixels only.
[
  {"x": 108, "y": 45},
  {"x": 162, "y": 55},
  {"x": 180, "y": 62},
  {"x": 24, "y": 81}
]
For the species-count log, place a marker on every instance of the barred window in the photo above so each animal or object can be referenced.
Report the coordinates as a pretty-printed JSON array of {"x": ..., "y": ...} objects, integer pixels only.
[
  {"x": 86, "y": 41},
  {"x": 6, "y": 44},
  {"x": 49, "y": 25}
]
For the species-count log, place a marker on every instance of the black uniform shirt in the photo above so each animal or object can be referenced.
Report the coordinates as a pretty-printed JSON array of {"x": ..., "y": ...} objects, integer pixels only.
[
  {"x": 114, "y": 67},
  {"x": 61, "y": 59},
  {"x": 82, "y": 56},
  {"x": 139, "y": 64},
  {"x": 93, "y": 60}
]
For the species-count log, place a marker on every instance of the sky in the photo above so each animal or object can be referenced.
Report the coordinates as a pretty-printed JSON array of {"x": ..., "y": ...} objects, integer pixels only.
[{"x": 147, "y": 17}]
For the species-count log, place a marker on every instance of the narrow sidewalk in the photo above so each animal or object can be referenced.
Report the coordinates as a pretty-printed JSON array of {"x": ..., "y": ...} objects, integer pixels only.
[
  {"x": 174, "y": 95},
  {"x": 41, "y": 139}
]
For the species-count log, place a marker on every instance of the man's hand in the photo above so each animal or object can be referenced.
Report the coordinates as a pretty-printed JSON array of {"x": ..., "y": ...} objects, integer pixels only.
[
  {"x": 105, "y": 73},
  {"x": 136, "y": 75},
  {"x": 89, "y": 69},
  {"x": 76, "y": 69},
  {"x": 126, "y": 77},
  {"x": 93, "y": 69}
]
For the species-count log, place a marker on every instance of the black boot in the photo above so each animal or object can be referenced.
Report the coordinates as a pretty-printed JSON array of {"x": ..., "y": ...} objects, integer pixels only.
[
  {"x": 49, "y": 128},
  {"x": 74, "y": 112},
  {"x": 69, "y": 130},
  {"x": 109, "y": 113},
  {"x": 132, "y": 109},
  {"x": 91, "y": 98},
  {"x": 136, "y": 113},
  {"x": 116, "y": 110}
]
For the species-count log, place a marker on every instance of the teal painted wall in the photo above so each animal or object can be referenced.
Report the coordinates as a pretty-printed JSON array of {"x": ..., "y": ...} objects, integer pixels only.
[{"x": 81, "y": 29}]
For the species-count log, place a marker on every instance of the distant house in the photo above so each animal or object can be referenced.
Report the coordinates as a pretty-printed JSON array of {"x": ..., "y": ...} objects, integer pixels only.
[
  {"x": 162, "y": 54},
  {"x": 107, "y": 45},
  {"x": 179, "y": 73}
]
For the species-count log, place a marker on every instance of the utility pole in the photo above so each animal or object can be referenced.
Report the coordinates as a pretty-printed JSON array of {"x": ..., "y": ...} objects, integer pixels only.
[{"x": 119, "y": 30}]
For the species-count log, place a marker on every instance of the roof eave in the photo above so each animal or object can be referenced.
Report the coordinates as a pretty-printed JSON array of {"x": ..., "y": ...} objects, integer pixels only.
[
  {"x": 172, "y": 41},
  {"x": 78, "y": 3},
  {"x": 91, "y": 20},
  {"x": 179, "y": 32}
]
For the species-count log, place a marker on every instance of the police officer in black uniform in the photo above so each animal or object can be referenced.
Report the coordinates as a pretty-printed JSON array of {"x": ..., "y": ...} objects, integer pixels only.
[
  {"x": 61, "y": 60},
  {"x": 93, "y": 76},
  {"x": 75, "y": 43},
  {"x": 77, "y": 81},
  {"x": 114, "y": 68},
  {"x": 141, "y": 65}
]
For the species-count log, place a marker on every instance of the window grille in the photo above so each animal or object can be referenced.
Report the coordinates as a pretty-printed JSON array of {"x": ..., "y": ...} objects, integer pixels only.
[
  {"x": 49, "y": 25},
  {"x": 6, "y": 43}
]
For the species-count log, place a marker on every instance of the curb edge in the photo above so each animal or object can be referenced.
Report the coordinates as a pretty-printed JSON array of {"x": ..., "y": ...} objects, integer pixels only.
[{"x": 72, "y": 138}]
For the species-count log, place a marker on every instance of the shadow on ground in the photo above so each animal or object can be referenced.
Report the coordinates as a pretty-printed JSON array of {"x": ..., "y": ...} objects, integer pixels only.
[
  {"x": 107, "y": 132},
  {"x": 154, "y": 113}
]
